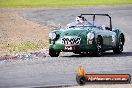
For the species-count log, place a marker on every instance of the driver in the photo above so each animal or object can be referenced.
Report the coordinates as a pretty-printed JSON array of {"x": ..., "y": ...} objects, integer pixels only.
[
  {"x": 79, "y": 21},
  {"x": 73, "y": 24}
]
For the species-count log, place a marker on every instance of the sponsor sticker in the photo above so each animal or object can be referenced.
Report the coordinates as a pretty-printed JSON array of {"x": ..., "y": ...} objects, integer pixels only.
[{"x": 70, "y": 48}]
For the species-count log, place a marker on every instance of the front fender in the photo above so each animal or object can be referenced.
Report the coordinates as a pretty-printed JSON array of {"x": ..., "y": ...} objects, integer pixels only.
[{"x": 118, "y": 33}]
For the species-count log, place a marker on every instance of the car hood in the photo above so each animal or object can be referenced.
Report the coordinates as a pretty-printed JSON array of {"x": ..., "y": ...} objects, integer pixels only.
[{"x": 80, "y": 32}]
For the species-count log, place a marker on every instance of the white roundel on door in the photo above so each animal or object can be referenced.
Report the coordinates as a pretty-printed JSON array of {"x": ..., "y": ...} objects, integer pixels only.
[{"x": 113, "y": 37}]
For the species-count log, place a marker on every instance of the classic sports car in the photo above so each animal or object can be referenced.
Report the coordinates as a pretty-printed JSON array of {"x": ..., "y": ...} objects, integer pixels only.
[{"x": 87, "y": 39}]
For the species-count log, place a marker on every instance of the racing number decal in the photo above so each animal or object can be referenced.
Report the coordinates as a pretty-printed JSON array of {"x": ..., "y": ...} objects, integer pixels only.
[{"x": 113, "y": 37}]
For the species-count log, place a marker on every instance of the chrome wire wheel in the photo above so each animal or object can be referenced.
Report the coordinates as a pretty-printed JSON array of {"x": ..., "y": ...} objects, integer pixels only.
[
  {"x": 119, "y": 47},
  {"x": 99, "y": 47},
  {"x": 120, "y": 44}
]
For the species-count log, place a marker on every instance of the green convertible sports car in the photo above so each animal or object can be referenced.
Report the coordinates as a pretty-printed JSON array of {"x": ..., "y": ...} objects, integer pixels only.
[{"x": 85, "y": 38}]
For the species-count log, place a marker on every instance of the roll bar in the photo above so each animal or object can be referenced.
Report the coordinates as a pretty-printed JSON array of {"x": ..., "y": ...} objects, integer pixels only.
[{"x": 94, "y": 16}]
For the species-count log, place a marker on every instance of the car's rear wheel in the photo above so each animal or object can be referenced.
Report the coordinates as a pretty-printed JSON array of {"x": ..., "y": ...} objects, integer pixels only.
[
  {"x": 99, "y": 50},
  {"x": 119, "y": 47},
  {"x": 53, "y": 53}
]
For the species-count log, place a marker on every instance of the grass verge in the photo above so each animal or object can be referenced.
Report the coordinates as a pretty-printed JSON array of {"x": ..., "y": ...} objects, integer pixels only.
[
  {"x": 61, "y": 3},
  {"x": 25, "y": 46}
]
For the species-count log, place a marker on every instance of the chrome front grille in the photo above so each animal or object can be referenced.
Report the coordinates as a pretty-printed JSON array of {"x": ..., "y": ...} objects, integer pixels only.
[{"x": 71, "y": 40}]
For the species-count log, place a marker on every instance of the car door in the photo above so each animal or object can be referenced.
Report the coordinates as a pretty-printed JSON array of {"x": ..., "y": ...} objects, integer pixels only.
[{"x": 106, "y": 38}]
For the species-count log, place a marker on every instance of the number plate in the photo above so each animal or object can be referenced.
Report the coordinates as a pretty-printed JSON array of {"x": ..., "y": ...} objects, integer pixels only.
[{"x": 70, "y": 48}]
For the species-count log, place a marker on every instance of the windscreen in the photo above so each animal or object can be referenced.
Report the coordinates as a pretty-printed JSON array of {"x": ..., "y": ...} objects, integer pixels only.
[{"x": 99, "y": 20}]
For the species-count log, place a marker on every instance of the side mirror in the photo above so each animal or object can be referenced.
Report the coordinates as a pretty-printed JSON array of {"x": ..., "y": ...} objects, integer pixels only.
[{"x": 59, "y": 26}]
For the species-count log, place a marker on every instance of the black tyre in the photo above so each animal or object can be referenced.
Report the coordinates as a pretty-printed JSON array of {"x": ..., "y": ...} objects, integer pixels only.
[
  {"x": 119, "y": 47},
  {"x": 53, "y": 53},
  {"x": 99, "y": 50},
  {"x": 80, "y": 80}
]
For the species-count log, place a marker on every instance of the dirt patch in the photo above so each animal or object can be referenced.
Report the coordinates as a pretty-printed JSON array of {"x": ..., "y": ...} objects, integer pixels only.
[{"x": 17, "y": 32}]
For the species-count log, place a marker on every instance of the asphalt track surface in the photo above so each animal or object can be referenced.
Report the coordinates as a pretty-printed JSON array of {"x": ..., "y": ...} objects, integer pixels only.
[{"x": 60, "y": 71}]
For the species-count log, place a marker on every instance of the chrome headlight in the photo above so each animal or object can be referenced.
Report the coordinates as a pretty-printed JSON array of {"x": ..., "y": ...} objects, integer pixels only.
[
  {"x": 90, "y": 36},
  {"x": 52, "y": 36}
]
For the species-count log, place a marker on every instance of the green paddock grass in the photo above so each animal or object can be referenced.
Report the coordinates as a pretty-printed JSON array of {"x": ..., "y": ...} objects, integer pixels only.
[{"x": 61, "y": 3}]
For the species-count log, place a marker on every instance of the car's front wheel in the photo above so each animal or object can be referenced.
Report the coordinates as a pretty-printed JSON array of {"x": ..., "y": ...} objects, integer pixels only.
[
  {"x": 119, "y": 47},
  {"x": 99, "y": 50},
  {"x": 53, "y": 53}
]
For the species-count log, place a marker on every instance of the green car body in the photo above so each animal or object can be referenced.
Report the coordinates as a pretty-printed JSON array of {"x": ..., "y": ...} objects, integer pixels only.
[{"x": 86, "y": 39}]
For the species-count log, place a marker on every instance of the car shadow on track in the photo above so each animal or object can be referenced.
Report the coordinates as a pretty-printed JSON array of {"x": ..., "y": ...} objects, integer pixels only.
[
  {"x": 111, "y": 54},
  {"x": 106, "y": 54}
]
